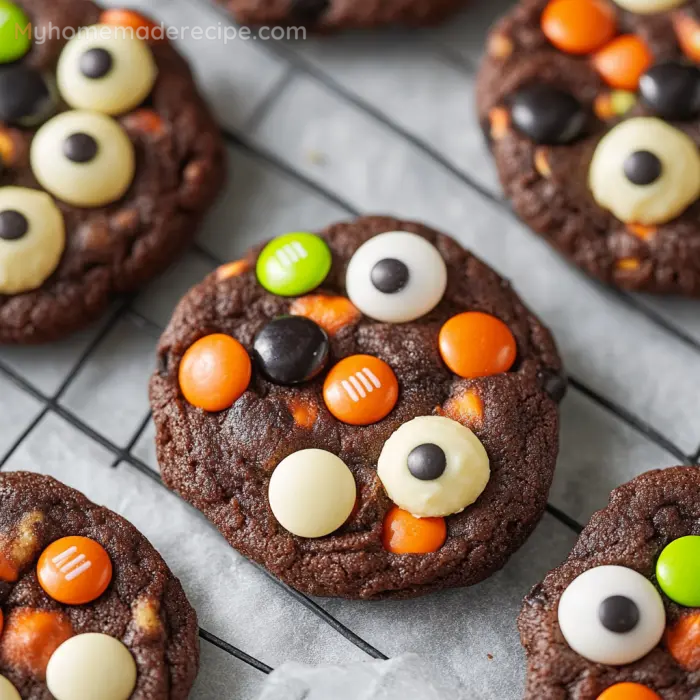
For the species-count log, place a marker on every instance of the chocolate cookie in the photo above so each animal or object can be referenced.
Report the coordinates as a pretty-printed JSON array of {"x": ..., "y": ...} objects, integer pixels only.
[
  {"x": 330, "y": 15},
  {"x": 592, "y": 108},
  {"x": 620, "y": 619},
  {"x": 88, "y": 607},
  {"x": 108, "y": 160},
  {"x": 369, "y": 413}
]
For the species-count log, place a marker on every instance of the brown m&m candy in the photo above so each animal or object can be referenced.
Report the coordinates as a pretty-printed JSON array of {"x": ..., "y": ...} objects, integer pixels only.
[
  {"x": 74, "y": 570},
  {"x": 475, "y": 344},
  {"x": 215, "y": 372}
]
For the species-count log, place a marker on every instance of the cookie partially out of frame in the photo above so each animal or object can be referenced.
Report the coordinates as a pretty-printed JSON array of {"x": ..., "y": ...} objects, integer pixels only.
[
  {"x": 88, "y": 607},
  {"x": 368, "y": 413},
  {"x": 592, "y": 108},
  {"x": 328, "y": 15},
  {"x": 108, "y": 160},
  {"x": 620, "y": 619}
]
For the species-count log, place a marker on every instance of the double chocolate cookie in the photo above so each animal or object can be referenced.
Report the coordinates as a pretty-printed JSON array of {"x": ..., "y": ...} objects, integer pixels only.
[
  {"x": 329, "y": 15},
  {"x": 88, "y": 609},
  {"x": 620, "y": 619},
  {"x": 108, "y": 160},
  {"x": 592, "y": 108},
  {"x": 368, "y": 413}
]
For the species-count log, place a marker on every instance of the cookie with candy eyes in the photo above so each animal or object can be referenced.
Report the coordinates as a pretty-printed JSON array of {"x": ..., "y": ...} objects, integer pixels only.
[
  {"x": 108, "y": 130},
  {"x": 351, "y": 407},
  {"x": 88, "y": 608},
  {"x": 333, "y": 15},
  {"x": 620, "y": 619},
  {"x": 592, "y": 111}
]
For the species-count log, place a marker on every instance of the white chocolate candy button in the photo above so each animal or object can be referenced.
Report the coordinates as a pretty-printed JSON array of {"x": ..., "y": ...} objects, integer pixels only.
[
  {"x": 106, "y": 69},
  {"x": 91, "y": 667},
  {"x": 396, "y": 277},
  {"x": 649, "y": 7},
  {"x": 433, "y": 466},
  {"x": 32, "y": 239},
  {"x": 83, "y": 158},
  {"x": 312, "y": 493},
  {"x": 7, "y": 690},
  {"x": 612, "y": 615},
  {"x": 645, "y": 171}
]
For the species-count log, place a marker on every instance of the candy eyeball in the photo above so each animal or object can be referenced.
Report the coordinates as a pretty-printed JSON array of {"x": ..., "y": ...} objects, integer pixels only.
[
  {"x": 612, "y": 615},
  {"x": 83, "y": 158},
  {"x": 396, "y": 277},
  {"x": 645, "y": 171},
  {"x": 32, "y": 239},
  {"x": 106, "y": 69},
  {"x": 433, "y": 466}
]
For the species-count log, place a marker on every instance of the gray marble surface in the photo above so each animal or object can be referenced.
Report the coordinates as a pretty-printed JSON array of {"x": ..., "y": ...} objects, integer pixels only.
[{"x": 318, "y": 131}]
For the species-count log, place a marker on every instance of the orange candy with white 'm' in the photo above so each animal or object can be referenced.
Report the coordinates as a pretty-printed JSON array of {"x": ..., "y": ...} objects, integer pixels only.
[
  {"x": 361, "y": 390},
  {"x": 74, "y": 570}
]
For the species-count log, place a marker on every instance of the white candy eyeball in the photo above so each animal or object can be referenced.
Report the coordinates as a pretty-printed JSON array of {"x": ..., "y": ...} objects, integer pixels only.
[
  {"x": 106, "y": 69},
  {"x": 645, "y": 171},
  {"x": 649, "y": 7},
  {"x": 433, "y": 466},
  {"x": 396, "y": 277},
  {"x": 83, "y": 158},
  {"x": 32, "y": 239},
  {"x": 612, "y": 615}
]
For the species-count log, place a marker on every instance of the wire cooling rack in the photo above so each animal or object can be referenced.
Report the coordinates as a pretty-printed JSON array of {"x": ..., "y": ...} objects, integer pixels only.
[{"x": 326, "y": 129}]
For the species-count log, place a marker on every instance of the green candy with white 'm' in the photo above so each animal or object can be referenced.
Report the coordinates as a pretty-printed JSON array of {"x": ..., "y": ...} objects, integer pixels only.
[
  {"x": 15, "y": 32},
  {"x": 294, "y": 264}
]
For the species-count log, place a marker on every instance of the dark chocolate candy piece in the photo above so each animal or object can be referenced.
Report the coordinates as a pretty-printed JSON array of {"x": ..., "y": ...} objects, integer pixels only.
[
  {"x": 547, "y": 114},
  {"x": 25, "y": 97},
  {"x": 672, "y": 90},
  {"x": 291, "y": 350}
]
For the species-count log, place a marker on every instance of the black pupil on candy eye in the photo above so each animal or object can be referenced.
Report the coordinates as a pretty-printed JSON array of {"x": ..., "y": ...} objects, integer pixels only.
[
  {"x": 80, "y": 148},
  {"x": 389, "y": 275},
  {"x": 13, "y": 225},
  {"x": 643, "y": 168},
  {"x": 96, "y": 63},
  {"x": 427, "y": 462},
  {"x": 619, "y": 614}
]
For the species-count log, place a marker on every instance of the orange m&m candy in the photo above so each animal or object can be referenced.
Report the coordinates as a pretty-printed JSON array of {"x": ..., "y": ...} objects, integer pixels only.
[
  {"x": 474, "y": 344},
  {"x": 215, "y": 372},
  {"x": 578, "y": 26},
  {"x": 30, "y": 638},
  {"x": 623, "y": 62},
  {"x": 74, "y": 570},
  {"x": 361, "y": 390},
  {"x": 629, "y": 691},
  {"x": 406, "y": 534},
  {"x": 133, "y": 20},
  {"x": 683, "y": 642}
]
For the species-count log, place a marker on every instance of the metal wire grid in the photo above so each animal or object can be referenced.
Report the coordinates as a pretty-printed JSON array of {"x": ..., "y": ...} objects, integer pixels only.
[{"x": 298, "y": 65}]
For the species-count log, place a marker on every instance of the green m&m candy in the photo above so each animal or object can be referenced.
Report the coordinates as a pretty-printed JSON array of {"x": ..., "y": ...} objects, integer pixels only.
[
  {"x": 15, "y": 32},
  {"x": 293, "y": 264},
  {"x": 678, "y": 571}
]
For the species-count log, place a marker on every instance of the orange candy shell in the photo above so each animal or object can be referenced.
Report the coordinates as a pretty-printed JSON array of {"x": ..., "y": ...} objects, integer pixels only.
[
  {"x": 406, "y": 534},
  {"x": 150, "y": 31},
  {"x": 353, "y": 376},
  {"x": 474, "y": 344},
  {"x": 74, "y": 570},
  {"x": 30, "y": 638},
  {"x": 628, "y": 691},
  {"x": 215, "y": 372},
  {"x": 688, "y": 33},
  {"x": 578, "y": 26},
  {"x": 331, "y": 313},
  {"x": 623, "y": 62},
  {"x": 683, "y": 642}
]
